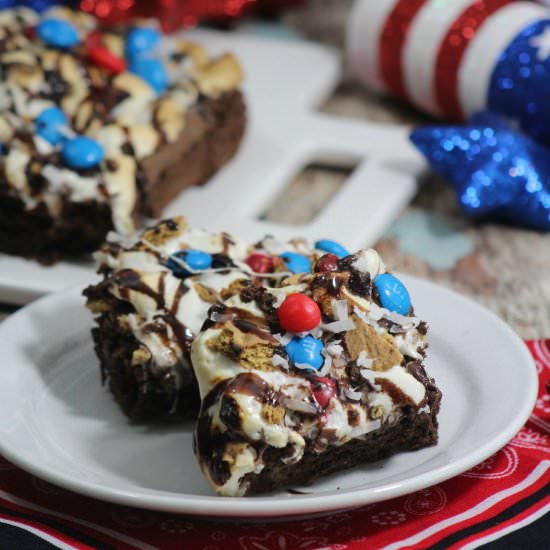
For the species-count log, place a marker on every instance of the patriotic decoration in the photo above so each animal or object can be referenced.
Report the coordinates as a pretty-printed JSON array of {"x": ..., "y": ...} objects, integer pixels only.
[
  {"x": 504, "y": 496},
  {"x": 495, "y": 170},
  {"x": 453, "y": 58},
  {"x": 174, "y": 14}
]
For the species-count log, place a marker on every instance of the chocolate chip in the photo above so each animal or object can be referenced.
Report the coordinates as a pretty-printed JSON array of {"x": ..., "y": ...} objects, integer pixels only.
[{"x": 58, "y": 86}]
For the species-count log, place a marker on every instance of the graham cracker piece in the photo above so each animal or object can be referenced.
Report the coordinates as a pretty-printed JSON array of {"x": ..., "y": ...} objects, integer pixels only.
[
  {"x": 235, "y": 452},
  {"x": 194, "y": 51},
  {"x": 125, "y": 324},
  {"x": 376, "y": 411},
  {"x": 378, "y": 347},
  {"x": 234, "y": 289},
  {"x": 99, "y": 305},
  {"x": 219, "y": 75},
  {"x": 206, "y": 293},
  {"x": 274, "y": 415},
  {"x": 165, "y": 230},
  {"x": 140, "y": 355},
  {"x": 248, "y": 349}
]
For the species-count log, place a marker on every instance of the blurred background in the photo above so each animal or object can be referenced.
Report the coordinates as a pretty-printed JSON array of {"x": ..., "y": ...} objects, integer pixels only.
[{"x": 502, "y": 265}]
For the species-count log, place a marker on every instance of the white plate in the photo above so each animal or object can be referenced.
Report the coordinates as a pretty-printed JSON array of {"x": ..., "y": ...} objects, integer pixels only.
[
  {"x": 57, "y": 422},
  {"x": 284, "y": 82}
]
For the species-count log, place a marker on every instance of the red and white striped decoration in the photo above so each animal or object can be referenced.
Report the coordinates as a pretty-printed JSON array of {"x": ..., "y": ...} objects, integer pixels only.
[{"x": 437, "y": 54}]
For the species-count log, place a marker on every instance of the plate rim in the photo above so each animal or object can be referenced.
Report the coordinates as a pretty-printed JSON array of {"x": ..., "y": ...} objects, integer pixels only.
[{"x": 298, "y": 505}]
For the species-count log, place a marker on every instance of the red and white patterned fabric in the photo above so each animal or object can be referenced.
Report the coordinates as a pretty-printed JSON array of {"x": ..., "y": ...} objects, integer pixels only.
[{"x": 502, "y": 496}]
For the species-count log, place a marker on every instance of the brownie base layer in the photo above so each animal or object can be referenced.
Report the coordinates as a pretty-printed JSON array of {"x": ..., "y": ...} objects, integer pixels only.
[
  {"x": 410, "y": 433},
  {"x": 144, "y": 392},
  {"x": 212, "y": 134},
  {"x": 80, "y": 229}
]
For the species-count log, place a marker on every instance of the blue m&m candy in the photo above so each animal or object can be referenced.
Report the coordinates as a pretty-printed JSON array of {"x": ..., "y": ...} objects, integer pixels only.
[
  {"x": 57, "y": 33},
  {"x": 141, "y": 41},
  {"x": 393, "y": 294},
  {"x": 152, "y": 71},
  {"x": 332, "y": 247},
  {"x": 297, "y": 263},
  {"x": 36, "y": 5},
  {"x": 197, "y": 260},
  {"x": 82, "y": 153},
  {"x": 306, "y": 351},
  {"x": 50, "y": 123}
]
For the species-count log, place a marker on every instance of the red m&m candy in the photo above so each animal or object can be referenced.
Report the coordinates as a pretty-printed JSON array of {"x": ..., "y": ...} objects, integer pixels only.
[
  {"x": 329, "y": 262},
  {"x": 104, "y": 58},
  {"x": 323, "y": 390},
  {"x": 260, "y": 263},
  {"x": 299, "y": 313}
]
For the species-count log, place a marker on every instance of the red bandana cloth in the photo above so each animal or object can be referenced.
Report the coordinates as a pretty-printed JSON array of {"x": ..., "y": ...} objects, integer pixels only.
[{"x": 503, "y": 496}]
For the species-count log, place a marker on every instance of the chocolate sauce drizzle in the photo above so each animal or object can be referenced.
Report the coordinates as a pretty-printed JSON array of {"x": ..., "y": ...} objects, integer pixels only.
[{"x": 129, "y": 280}]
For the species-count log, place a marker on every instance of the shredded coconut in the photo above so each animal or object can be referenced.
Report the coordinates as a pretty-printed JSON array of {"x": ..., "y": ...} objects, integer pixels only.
[
  {"x": 335, "y": 349},
  {"x": 340, "y": 309},
  {"x": 299, "y": 406},
  {"x": 126, "y": 242},
  {"x": 339, "y": 362},
  {"x": 369, "y": 261},
  {"x": 283, "y": 339},
  {"x": 325, "y": 369},
  {"x": 280, "y": 298},
  {"x": 353, "y": 395},
  {"x": 370, "y": 376},
  {"x": 378, "y": 313},
  {"x": 339, "y": 326},
  {"x": 364, "y": 361},
  {"x": 220, "y": 317},
  {"x": 280, "y": 361}
]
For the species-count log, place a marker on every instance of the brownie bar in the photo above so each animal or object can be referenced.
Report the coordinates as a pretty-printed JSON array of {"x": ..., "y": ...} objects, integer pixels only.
[
  {"x": 154, "y": 142},
  {"x": 318, "y": 374},
  {"x": 213, "y": 133},
  {"x": 147, "y": 311}
]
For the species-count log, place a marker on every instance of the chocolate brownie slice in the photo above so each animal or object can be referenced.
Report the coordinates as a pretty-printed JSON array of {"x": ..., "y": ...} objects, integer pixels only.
[
  {"x": 155, "y": 293},
  {"x": 148, "y": 308},
  {"x": 319, "y": 374},
  {"x": 154, "y": 125}
]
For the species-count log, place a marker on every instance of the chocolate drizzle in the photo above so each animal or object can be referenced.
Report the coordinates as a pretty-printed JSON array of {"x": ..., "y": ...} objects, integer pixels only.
[
  {"x": 129, "y": 280},
  {"x": 249, "y": 327},
  {"x": 209, "y": 442}
]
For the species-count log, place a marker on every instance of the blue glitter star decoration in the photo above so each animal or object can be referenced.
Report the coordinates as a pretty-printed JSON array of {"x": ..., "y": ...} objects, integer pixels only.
[{"x": 496, "y": 171}]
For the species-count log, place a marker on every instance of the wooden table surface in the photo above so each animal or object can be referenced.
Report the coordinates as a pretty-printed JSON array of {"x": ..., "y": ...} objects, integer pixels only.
[{"x": 506, "y": 269}]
